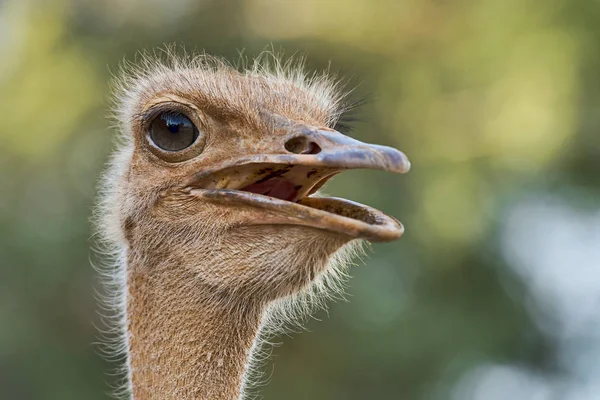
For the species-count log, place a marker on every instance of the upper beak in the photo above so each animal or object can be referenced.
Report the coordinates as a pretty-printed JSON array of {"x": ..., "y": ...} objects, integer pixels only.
[
  {"x": 335, "y": 150},
  {"x": 320, "y": 152}
]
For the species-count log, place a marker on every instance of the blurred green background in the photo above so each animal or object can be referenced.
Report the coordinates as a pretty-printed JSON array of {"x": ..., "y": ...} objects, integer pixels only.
[{"x": 492, "y": 294}]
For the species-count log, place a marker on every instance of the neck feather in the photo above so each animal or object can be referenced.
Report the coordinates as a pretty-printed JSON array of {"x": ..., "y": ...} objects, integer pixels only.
[{"x": 185, "y": 343}]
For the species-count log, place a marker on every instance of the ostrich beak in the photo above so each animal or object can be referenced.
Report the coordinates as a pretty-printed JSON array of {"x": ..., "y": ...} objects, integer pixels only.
[
  {"x": 335, "y": 150},
  {"x": 282, "y": 182}
]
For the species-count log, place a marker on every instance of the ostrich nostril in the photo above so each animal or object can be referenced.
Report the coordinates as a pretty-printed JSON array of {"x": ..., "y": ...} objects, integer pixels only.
[{"x": 302, "y": 145}]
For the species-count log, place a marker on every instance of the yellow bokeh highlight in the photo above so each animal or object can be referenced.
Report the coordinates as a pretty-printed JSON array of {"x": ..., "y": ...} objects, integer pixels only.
[
  {"x": 49, "y": 87},
  {"x": 454, "y": 205},
  {"x": 378, "y": 26},
  {"x": 530, "y": 112}
]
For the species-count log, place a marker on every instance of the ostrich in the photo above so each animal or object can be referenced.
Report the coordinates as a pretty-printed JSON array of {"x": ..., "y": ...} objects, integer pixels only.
[{"x": 210, "y": 205}]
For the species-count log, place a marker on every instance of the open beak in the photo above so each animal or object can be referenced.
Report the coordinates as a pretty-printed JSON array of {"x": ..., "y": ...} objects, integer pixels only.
[{"x": 283, "y": 183}]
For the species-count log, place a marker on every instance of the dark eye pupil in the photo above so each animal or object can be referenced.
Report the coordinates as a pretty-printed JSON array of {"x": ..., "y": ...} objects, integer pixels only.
[
  {"x": 173, "y": 131},
  {"x": 173, "y": 128}
]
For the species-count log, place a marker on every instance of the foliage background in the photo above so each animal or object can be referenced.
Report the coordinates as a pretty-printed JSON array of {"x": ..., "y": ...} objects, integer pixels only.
[{"x": 494, "y": 290}]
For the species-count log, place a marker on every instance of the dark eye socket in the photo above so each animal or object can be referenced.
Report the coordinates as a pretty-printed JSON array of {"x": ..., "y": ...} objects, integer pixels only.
[{"x": 173, "y": 131}]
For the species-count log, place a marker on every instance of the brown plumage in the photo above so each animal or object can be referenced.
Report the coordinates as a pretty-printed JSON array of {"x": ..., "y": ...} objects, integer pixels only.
[{"x": 210, "y": 206}]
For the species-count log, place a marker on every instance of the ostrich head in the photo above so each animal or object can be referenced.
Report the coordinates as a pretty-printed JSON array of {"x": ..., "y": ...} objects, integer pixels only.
[
  {"x": 213, "y": 199},
  {"x": 227, "y": 163}
]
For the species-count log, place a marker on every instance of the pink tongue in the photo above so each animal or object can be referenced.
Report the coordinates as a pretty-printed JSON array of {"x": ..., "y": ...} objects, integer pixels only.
[{"x": 274, "y": 187}]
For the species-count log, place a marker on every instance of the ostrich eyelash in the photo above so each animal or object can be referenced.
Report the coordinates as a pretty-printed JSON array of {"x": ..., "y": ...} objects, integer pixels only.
[{"x": 172, "y": 109}]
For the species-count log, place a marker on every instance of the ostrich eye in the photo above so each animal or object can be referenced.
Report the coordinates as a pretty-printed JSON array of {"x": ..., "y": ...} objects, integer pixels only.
[{"x": 172, "y": 131}]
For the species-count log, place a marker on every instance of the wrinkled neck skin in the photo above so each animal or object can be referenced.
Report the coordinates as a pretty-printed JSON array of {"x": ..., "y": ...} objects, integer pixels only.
[{"x": 192, "y": 323}]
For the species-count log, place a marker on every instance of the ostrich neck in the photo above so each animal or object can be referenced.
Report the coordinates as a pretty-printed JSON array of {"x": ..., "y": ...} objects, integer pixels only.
[{"x": 183, "y": 343}]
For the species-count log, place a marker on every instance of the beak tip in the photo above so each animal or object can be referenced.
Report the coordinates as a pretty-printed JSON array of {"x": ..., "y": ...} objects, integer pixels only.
[
  {"x": 406, "y": 166},
  {"x": 402, "y": 162}
]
